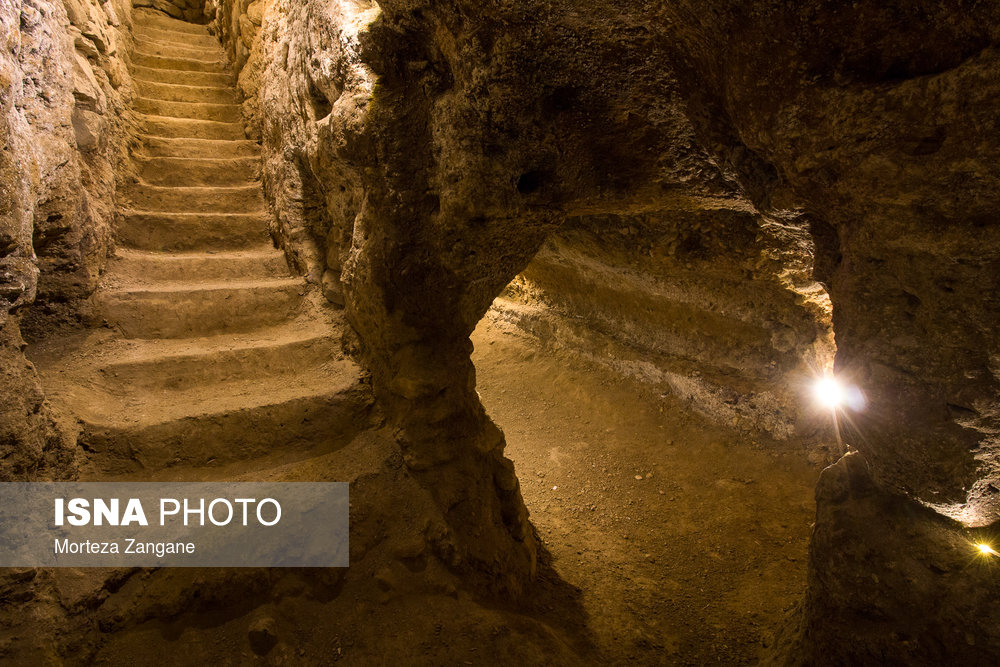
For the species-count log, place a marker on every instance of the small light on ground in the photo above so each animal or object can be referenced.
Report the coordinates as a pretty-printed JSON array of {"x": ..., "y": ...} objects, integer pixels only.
[{"x": 986, "y": 549}]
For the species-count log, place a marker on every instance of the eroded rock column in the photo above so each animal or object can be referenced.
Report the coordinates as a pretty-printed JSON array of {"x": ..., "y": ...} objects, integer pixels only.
[{"x": 382, "y": 203}]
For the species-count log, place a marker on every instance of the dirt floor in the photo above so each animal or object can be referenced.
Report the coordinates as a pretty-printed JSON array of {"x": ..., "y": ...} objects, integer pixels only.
[{"x": 688, "y": 540}]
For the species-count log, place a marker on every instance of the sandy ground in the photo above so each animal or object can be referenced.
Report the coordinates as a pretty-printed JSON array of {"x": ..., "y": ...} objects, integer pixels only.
[{"x": 688, "y": 540}]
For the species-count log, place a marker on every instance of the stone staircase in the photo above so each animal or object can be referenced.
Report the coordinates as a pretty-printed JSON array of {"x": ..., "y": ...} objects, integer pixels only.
[{"x": 212, "y": 355}]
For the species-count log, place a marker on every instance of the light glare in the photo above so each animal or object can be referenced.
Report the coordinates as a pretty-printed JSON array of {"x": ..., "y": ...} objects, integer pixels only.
[
  {"x": 986, "y": 549},
  {"x": 829, "y": 393}
]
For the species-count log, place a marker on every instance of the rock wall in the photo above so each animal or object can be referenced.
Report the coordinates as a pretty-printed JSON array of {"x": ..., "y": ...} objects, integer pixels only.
[
  {"x": 880, "y": 135},
  {"x": 351, "y": 182},
  {"x": 64, "y": 130},
  {"x": 714, "y": 303},
  {"x": 420, "y": 157},
  {"x": 195, "y": 11},
  {"x": 415, "y": 202},
  {"x": 880, "y": 140},
  {"x": 64, "y": 89}
]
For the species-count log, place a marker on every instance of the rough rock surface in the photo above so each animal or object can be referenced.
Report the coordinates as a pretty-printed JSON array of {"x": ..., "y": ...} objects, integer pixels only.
[
  {"x": 63, "y": 129},
  {"x": 194, "y": 11},
  {"x": 355, "y": 187},
  {"x": 713, "y": 303},
  {"x": 419, "y": 197},
  {"x": 871, "y": 601},
  {"x": 880, "y": 136},
  {"x": 420, "y": 154}
]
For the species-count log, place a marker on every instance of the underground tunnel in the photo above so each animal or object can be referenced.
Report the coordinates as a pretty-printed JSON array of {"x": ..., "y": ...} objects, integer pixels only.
[{"x": 660, "y": 334}]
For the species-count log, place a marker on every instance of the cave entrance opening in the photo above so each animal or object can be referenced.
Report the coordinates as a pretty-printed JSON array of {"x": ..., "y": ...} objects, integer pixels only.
[{"x": 684, "y": 533}]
